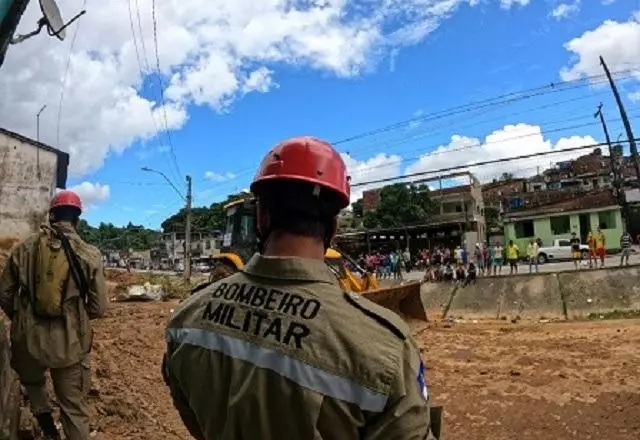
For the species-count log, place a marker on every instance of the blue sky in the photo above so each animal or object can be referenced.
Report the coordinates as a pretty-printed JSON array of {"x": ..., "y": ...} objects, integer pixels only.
[{"x": 476, "y": 53}]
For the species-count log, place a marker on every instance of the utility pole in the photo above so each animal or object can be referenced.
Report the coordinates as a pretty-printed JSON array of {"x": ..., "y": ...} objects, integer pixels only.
[
  {"x": 608, "y": 139},
  {"x": 187, "y": 232},
  {"x": 38, "y": 139},
  {"x": 614, "y": 168},
  {"x": 625, "y": 120}
]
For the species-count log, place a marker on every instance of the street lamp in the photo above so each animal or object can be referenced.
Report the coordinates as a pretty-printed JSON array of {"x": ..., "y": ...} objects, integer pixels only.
[
  {"x": 38, "y": 139},
  {"x": 187, "y": 228}
]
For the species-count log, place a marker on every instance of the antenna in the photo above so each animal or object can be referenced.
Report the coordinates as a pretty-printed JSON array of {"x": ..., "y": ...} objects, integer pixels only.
[{"x": 52, "y": 19}]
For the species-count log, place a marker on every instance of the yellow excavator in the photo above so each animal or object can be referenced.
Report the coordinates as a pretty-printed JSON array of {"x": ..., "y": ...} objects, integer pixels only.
[{"x": 239, "y": 243}]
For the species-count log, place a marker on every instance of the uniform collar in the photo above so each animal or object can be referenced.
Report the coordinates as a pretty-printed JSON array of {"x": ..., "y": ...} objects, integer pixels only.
[
  {"x": 64, "y": 227},
  {"x": 289, "y": 268}
]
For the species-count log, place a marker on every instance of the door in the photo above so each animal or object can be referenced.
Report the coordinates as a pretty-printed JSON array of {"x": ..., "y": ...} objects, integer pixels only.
[
  {"x": 584, "y": 227},
  {"x": 563, "y": 251}
]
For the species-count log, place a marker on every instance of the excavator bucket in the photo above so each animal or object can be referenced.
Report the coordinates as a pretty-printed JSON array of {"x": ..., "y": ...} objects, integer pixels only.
[{"x": 403, "y": 299}]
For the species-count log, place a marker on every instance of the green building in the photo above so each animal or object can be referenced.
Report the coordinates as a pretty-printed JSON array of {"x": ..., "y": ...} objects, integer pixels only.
[{"x": 522, "y": 226}]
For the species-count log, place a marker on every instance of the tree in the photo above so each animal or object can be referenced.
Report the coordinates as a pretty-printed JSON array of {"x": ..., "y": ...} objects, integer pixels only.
[
  {"x": 370, "y": 220},
  {"x": 492, "y": 218},
  {"x": 401, "y": 205},
  {"x": 358, "y": 208},
  {"x": 109, "y": 237},
  {"x": 506, "y": 176}
]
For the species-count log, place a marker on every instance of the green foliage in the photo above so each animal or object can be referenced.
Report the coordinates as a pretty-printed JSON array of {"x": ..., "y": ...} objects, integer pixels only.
[
  {"x": 401, "y": 205},
  {"x": 358, "y": 208},
  {"x": 109, "y": 237},
  {"x": 202, "y": 218},
  {"x": 492, "y": 217}
]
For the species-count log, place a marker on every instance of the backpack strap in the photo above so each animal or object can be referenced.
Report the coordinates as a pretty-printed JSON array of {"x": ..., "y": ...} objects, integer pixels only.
[{"x": 75, "y": 267}]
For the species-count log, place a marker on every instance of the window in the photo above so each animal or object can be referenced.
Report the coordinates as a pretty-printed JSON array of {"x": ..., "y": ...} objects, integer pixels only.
[
  {"x": 560, "y": 225},
  {"x": 564, "y": 243},
  {"x": 524, "y": 229},
  {"x": 607, "y": 219}
]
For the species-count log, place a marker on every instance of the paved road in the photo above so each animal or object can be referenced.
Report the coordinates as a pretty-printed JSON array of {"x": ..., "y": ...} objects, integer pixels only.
[{"x": 610, "y": 260}]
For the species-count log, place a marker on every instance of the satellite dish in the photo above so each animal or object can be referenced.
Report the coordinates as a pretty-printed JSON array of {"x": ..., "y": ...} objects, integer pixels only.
[{"x": 53, "y": 19}]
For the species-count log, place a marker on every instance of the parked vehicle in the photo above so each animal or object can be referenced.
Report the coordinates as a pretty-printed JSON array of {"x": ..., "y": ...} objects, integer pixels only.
[{"x": 560, "y": 250}]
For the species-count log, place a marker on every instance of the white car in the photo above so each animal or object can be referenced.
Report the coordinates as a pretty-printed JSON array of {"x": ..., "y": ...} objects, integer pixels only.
[{"x": 561, "y": 250}]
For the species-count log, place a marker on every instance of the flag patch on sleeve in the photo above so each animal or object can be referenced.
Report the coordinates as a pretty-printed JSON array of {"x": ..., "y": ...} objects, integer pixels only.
[{"x": 422, "y": 383}]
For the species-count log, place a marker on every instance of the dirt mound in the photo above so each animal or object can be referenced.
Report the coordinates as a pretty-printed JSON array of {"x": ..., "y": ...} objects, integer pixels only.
[
  {"x": 495, "y": 379},
  {"x": 121, "y": 276},
  {"x": 129, "y": 399}
]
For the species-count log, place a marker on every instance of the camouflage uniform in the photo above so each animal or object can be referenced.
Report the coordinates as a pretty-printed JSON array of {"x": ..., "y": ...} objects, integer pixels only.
[
  {"x": 279, "y": 351},
  {"x": 60, "y": 345}
]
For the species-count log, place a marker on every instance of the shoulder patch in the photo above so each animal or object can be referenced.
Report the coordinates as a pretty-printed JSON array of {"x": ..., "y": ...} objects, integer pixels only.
[
  {"x": 422, "y": 382},
  {"x": 380, "y": 314}
]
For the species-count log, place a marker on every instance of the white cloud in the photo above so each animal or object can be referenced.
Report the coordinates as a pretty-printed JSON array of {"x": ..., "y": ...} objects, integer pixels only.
[
  {"x": 635, "y": 96},
  {"x": 212, "y": 52},
  {"x": 517, "y": 139},
  {"x": 507, "y": 4},
  {"x": 217, "y": 177},
  {"x": 617, "y": 42},
  {"x": 608, "y": 2},
  {"x": 92, "y": 194},
  {"x": 564, "y": 10},
  {"x": 379, "y": 166}
]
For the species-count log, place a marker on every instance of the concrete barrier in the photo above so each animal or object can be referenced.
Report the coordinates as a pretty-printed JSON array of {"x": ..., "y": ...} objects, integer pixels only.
[
  {"x": 561, "y": 295},
  {"x": 597, "y": 291}
]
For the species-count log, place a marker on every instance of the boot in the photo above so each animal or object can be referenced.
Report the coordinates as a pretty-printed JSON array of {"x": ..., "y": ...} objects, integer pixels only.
[{"x": 49, "y": 430}]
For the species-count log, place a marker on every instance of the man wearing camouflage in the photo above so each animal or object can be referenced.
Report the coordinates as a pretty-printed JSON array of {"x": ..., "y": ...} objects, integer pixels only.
[
  {"x": 278, "y": 350},
  {"x": 60, "y": 343}
]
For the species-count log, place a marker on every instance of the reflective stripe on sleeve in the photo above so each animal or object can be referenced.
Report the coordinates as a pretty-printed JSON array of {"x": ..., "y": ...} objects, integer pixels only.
[{"x": 305, "y": 375}]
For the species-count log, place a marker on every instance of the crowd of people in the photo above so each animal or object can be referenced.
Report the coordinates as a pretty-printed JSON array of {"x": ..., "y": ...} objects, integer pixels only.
[{"x": 455, "y": 264}]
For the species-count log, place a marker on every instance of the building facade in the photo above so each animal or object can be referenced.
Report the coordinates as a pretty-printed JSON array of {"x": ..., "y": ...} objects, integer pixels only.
[
  {"x": 30, "y": 173},
  {"x": 459, "y": 218},
  {"x": 559, "y": 220}
]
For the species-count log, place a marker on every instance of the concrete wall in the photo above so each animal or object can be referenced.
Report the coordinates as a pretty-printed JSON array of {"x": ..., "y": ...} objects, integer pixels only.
[
  {"x": 562, "y": 295},
  {"x": 27, "y": 183}
]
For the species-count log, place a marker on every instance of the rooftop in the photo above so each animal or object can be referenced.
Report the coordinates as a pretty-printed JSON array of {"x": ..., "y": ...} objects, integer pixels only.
[{"x": 63, "y": 157}]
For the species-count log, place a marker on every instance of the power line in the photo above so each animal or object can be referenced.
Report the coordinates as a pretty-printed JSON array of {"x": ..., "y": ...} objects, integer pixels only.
[
  {"x": 66, "y": 75},
  {"x": 429, "y": 133},
  {"x": 481, "y": 104},
  {"x": 481, "y": 144},
  {"x": 145, "y": 66},
  {"x": 143, "y": 63},
  {"x": 160, "y": 84},
  {"x": 482, "y": 163}
]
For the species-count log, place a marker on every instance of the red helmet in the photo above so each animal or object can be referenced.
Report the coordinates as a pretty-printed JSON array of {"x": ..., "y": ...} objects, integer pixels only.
[
  {"x": 306, "y": 159},
  {"x": 66, "y": 198}
]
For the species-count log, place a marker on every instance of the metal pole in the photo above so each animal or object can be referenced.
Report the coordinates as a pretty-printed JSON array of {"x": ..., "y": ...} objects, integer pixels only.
[
  {"x": 614, "y": 170},
  {"x": 187, "y": 232},
  {"x": 38, "y": 139},
  {"x": 625, "y": 120}
]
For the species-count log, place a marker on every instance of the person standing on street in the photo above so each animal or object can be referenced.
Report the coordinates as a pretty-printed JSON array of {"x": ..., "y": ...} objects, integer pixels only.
[
  {"x": 576, "y": 253},
  {"x": 52, "y": 285},
  {"x": 513, "y": 254},
  {"x": 625, "y": 245},
  {"x": 591, "y": 243},
  {"x": 601, "y": 242},
  {"x": 532, "y": 254},
  {"x": 278, "y": 350}
]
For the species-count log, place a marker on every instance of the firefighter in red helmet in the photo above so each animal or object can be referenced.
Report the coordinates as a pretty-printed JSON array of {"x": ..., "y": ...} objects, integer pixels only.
[
  {"x": 278, "y": 350},
  {"x": 52, "y": 285}
]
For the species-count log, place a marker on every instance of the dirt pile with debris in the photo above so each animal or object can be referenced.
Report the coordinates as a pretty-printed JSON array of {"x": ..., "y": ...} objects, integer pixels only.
[{"x": 496, "y": 380}]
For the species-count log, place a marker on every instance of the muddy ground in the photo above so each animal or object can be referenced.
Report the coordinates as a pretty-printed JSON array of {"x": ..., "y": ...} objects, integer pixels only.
[{"x": 496, "y": 380}]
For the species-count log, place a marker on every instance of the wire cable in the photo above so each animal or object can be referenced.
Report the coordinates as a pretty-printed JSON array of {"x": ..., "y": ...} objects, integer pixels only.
[{"x": 482, "y": 163}]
